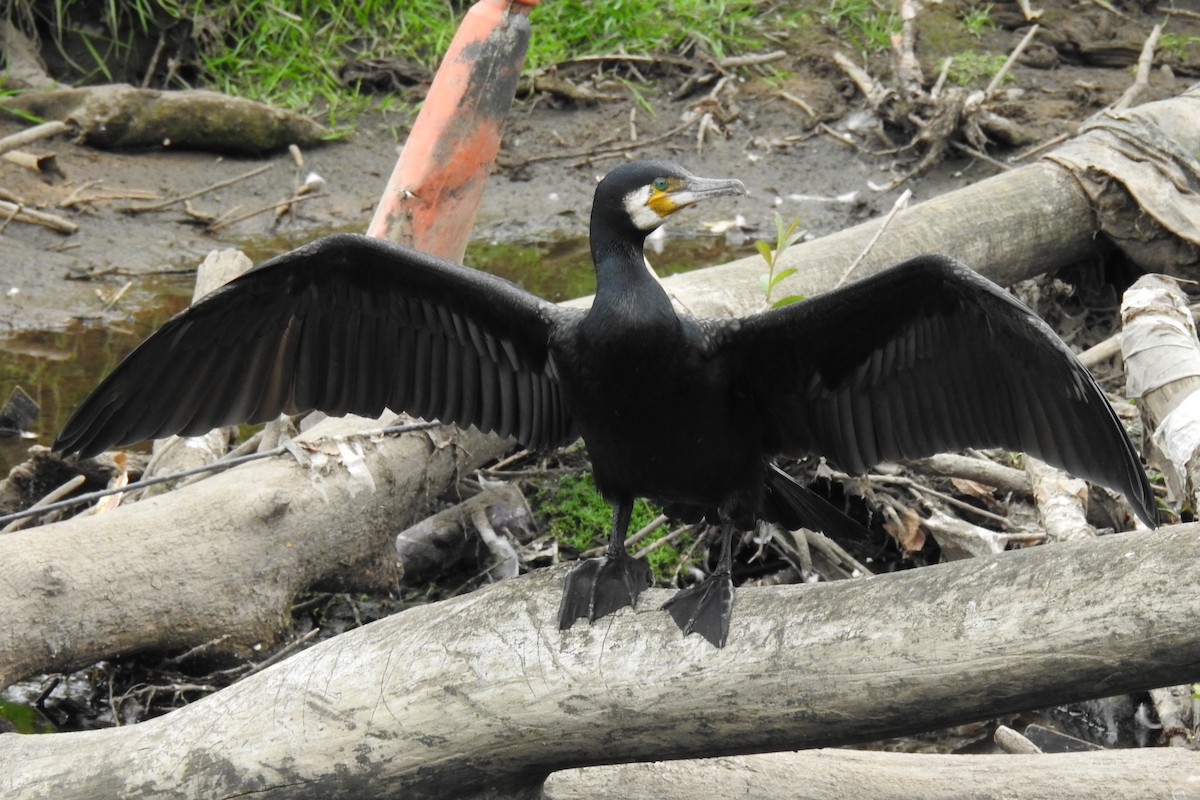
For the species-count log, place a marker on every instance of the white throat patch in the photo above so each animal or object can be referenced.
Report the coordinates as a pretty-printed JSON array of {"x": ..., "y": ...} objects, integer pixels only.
[{"x": 643, "y": 216}]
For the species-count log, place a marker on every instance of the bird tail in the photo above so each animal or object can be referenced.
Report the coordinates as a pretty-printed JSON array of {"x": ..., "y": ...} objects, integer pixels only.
[{"x": 794, "y": 505}]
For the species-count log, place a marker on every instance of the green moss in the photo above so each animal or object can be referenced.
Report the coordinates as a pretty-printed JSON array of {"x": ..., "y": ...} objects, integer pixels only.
[
  {"x": 578, "y": 516},
  {"x": 973, "y": 69}
]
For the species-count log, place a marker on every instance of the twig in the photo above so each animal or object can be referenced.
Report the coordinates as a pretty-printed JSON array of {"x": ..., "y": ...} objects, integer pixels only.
[
  {"x": 654, "y": 524},
  {"x": 276, "y": 206},
  {"x": 46, "y": 164},
  {"x": 34, "y": 134},
  {"x": 1029, "y": 152},
  {"x": 210, "y": 188},
  {"x": 73, "y": 197},
  {"x": 78, "y": 197},
  {"x": 972, "y": 468},
  {"x": 112, "y": 301},
  {"x": 834, "y": 552},
  {"x": 797, "y": 102},
  {"x": 841, "y": 137},
  {"x": 733, "y": 62},
  {"x": 875, "y": 92},
  {"x": 197, "y": 650},
  {"x": 1028, "y": 12},
  {"x": 1141, "y": 80},
  {"x": 1012, "y": 59},
  {"x": 1012, "y": 742},
  {"x": 51, "y": 221},
  {"x": 941, "y": 78},
  {"x": 605, "y": 152},
  {"x": 154, "y": 57},
  {"x": 919, "y": 488},
  {"x": 1107, "y": 6},
  {"x": 55, "y": 495},
  {"x": 10, "y": 217},
  {"x": 973, "y": 153},
  {"x": 1179, "y": 12},
  {"x": 285, "y": 652},
  {"x": 900, "y": 203},
  {"x": 908, "y": 66},
  {"x": 670, "y": 538}
]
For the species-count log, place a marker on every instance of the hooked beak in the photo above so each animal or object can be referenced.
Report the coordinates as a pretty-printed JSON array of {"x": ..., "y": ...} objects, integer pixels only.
[
  {"x": 695, "y": 189},
  {"x": 682, "y": 192}
]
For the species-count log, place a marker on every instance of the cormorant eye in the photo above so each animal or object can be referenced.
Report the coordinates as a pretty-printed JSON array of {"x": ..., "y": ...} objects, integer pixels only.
[{"x": 660, "y": 184}]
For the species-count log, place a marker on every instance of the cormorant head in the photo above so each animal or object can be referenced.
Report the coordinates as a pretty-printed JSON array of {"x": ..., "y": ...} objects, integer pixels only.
[{"x": 637, "y": 197}]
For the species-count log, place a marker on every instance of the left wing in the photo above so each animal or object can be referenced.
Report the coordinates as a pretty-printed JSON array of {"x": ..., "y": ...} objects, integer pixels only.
[{"x": 926, "y": 357}]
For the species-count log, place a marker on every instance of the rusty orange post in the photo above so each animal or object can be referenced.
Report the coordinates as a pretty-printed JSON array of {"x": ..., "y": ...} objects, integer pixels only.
[{"x": 433, "y": 195}]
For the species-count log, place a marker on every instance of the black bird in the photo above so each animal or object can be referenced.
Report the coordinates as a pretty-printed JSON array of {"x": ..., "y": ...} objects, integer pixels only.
[{"x": 924, "y": 357}]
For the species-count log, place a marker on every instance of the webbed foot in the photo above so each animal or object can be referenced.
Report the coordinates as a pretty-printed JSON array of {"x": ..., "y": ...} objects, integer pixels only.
[
  {"x": 704, "y": 608},
  {"x": 600, "y": 586}
]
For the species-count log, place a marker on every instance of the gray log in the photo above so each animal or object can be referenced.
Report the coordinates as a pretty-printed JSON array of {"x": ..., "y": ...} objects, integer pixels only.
[{"x": 482, "y": 695}]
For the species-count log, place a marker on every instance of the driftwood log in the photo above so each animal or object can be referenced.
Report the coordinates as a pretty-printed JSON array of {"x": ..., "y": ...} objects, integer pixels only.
[
  {"x": 483, "y": 696},
  {"x": 862, "y": 775},
  {"x": 118, "y": 115}
]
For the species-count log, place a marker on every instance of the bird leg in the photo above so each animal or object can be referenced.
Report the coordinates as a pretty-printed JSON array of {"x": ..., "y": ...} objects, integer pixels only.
[
  {"x": 599, "y": 586},
  {"x": 706, "y": 607}
]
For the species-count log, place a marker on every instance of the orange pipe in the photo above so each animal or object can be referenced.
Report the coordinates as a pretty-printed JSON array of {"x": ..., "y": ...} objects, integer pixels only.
[{"x": 434, "y": 193}]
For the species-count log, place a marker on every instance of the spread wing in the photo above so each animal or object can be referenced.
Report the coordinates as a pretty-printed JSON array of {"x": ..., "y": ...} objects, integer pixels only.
[
  {"x": 927, "y": 357},
  {"x": 347, "y": 324}
]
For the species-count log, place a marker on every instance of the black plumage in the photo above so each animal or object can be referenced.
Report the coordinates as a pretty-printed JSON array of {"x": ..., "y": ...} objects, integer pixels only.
[{"x": 921, "y": 358}]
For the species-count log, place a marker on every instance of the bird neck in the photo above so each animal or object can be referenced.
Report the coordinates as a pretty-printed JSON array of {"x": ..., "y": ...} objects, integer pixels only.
[{"x": 624, "y": 285}]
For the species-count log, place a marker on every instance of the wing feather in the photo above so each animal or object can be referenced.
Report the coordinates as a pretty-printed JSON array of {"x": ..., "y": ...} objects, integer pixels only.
[
  {"x": 346, "y": 324},
  {"x": 926, "y": 357}
]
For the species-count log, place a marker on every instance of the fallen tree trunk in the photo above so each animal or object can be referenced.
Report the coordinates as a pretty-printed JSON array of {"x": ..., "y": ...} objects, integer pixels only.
[
  {"x": 223, "y": 556},
  {"x": 1037, "y": 218},
  {"x": 1163, "y": 774},
  {"x": 118, "y": 115},
  {"x": 482, "y": 695}
]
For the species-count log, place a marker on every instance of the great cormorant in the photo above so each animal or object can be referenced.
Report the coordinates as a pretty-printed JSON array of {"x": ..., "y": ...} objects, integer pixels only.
[{"x": 924, "y": 357}]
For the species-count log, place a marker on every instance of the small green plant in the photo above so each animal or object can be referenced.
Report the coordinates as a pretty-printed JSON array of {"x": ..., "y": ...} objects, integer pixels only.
[
  {"x": 979, "y": 19},
  {"x": 971, "y": 69},
  {"x": 786, "y": 235},
  {"x": 1176, "y": 44},
  {"x": 865, "y": 24}
]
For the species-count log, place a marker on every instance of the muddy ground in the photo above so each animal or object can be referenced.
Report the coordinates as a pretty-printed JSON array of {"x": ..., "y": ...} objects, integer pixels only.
[{"x": 543, "y": 184}]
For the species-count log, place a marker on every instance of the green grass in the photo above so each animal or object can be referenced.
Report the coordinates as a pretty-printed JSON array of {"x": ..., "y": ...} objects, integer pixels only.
[
  {"x": 287, "y": 52},
  {"x": 868, "y": 26},
  {"x": 979, "y": 20},
  {"x": 578, "y": 517}
]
